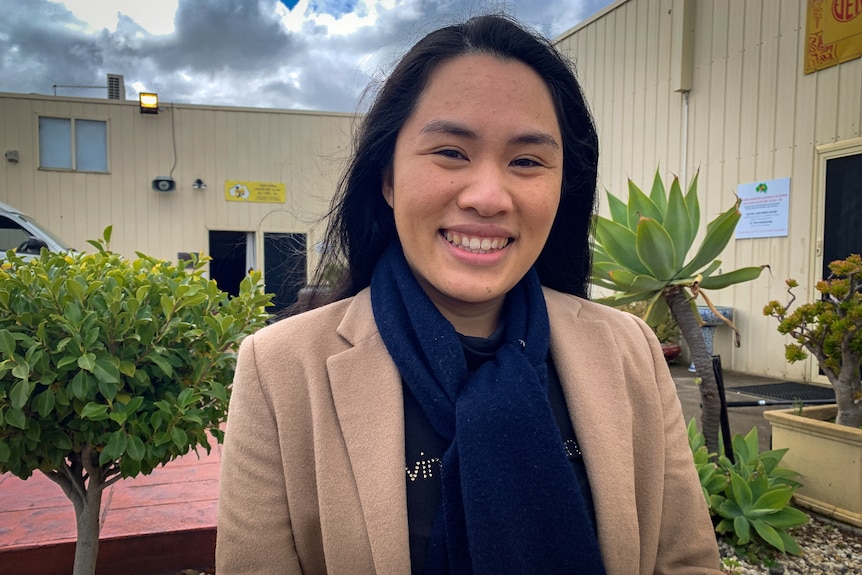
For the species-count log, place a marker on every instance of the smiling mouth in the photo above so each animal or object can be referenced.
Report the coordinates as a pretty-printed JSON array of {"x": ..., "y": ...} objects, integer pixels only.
[{"x": 475, "y": 244}]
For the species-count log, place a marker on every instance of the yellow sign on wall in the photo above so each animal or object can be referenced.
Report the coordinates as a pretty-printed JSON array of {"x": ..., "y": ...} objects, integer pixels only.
[
  {"x": 265, "y": 192},
  {"x": 833, "y": 32}
]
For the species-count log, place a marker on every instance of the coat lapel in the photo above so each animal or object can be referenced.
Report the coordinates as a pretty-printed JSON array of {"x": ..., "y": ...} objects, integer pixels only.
[
  {"x": 596, "y": 394},
  {"x": 367, "y": 393},
  {"x": 366, "y": 390}
]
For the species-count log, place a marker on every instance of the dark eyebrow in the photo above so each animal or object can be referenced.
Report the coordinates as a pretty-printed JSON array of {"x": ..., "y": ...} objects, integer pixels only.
[{"x": 446, "y": 127}]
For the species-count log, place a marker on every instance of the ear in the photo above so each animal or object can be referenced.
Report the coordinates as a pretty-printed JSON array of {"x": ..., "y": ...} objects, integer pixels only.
[{"x": 388, "y": 188}]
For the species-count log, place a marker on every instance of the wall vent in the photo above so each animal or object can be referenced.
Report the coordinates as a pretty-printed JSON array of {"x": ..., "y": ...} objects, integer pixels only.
[{"x": 116, "y": 87}]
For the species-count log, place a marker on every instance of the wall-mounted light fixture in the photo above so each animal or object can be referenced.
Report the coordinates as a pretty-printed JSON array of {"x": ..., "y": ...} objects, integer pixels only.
[
  {"x": 12, "y": 156},
  {"x": 199, "y": 184},
  {"x": 149, "y": 102}
]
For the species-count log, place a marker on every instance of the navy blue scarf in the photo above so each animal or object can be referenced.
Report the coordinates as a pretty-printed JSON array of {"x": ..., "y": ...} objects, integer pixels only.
[{"x": 511, "y": 503}]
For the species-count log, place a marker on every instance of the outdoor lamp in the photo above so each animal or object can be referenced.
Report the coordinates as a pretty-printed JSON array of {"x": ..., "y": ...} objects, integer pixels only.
[{"x": 149, "y": 102}]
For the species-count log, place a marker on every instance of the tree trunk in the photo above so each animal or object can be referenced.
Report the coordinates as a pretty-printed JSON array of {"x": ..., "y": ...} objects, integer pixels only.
[
  {"x": 83, "y": 482},
  {"x": 848, "y": 390},
  {"x": 87, "y": 544},
  {"x": 689, "y": 326}
]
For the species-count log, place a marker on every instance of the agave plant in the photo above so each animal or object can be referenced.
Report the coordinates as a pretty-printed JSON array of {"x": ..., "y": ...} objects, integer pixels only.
[{"x": 640, "y": 253}]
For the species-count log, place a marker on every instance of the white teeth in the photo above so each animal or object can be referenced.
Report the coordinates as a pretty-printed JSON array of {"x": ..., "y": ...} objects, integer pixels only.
[{"x": 474, "y": 244}]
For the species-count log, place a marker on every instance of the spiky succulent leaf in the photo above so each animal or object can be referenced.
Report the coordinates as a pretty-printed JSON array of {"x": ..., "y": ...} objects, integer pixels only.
[
  {"x": 623, "y": 299},
  {"x": 790, "y": 544},
  {"x": 599, "y": 254},
  {"x": 622, "y": 277},
  {"x": 617, "y": 241},
  {"x": 619, "y": 209},
  {"x": 708, "y": 271},
  {"x": 677, "y": 222},
  {"x": 786, "y": 518},
  {"x": 657, "y": 194},
  {"x": 657, "y": 310},
  {"x": 641, "y": 206},
  {"x": 601, "y": 268},
  {"x": 718, "y": 234},
  {"x": 741, "y": 275},
  {"x": 655, "y": 249},
  {"x": 768, "y": 534},
  {"x": 605, "y": 283},
  {"x": 692, "y": 204},
  {"x": 647, "y": 283}
]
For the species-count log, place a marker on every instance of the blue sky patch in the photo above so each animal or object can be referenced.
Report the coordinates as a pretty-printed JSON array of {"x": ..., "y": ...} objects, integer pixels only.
[{"x": 336, "y": 8}]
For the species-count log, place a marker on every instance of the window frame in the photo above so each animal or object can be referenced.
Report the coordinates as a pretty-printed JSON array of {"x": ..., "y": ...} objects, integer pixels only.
[{"x": 72, "y": 144}]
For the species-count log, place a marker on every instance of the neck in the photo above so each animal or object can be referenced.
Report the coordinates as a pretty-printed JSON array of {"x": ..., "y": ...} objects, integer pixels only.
[{"x": 472, "y": 319}]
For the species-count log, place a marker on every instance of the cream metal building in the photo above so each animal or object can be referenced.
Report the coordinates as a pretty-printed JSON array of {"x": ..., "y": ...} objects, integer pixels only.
[
  {"x": 718, "y": 87},
  {"x": 78, "y": 165}
]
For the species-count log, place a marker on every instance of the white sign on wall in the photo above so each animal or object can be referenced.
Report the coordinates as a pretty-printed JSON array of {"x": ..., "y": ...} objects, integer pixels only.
[{"x": 764, "y": 209}]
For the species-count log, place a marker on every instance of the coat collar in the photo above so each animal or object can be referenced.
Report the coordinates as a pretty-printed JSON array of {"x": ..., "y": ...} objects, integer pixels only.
[{"x": 367, "y": 393}]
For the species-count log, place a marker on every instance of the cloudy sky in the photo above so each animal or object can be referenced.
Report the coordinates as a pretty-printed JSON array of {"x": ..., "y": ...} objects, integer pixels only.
[{"x": 306, "y": 54}]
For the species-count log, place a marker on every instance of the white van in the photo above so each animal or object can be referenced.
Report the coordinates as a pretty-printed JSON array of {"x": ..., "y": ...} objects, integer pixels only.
[{"x": 20, "y": 232}]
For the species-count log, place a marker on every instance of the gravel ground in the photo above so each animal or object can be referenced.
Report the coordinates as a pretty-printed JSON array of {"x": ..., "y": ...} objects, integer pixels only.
[{"x": 827, "y": 548}]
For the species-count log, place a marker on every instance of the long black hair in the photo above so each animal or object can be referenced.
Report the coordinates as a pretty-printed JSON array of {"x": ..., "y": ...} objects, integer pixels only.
[{"x": 361, "y": 224}]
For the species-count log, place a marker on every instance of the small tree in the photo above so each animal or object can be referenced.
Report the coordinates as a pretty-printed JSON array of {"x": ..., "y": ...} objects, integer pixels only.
[
  {"x": 111, "y": 367},
  {"x": 831, "y": 330},
  {"x": 640, "y": 253}
]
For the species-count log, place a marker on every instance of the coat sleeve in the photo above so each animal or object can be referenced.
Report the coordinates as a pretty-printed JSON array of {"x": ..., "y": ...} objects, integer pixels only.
[
  {"x": 254, "y": 528},
  {"x": 687, "y": 543}
]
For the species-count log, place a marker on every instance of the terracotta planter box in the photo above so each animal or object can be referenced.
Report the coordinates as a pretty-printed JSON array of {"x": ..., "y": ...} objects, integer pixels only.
[{"x": 828, "y": 457}]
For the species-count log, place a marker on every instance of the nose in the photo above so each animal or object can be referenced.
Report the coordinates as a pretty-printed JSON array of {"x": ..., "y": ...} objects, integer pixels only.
[{"x": 487, "y": 192}]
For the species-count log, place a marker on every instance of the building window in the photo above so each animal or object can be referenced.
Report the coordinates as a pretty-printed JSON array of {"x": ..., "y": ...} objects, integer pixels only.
[{"x": 73, "y": 144}]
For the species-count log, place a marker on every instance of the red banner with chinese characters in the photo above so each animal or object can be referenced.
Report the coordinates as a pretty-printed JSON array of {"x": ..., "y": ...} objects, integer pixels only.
[{"x": 834, "y": 33}]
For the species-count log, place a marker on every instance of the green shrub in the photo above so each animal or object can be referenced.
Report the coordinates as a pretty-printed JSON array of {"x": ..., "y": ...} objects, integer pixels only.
[
  {"x": 110, "y": 367},
  {"x": 748, "y": 499}
]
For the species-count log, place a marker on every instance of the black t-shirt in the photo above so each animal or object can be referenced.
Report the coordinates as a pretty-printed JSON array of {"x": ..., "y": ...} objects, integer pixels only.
[{"x": 425, "y": 449}]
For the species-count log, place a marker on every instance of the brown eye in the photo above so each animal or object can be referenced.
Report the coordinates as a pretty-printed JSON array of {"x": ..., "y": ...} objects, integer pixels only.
[
  {"x": 525, "y": 163},
  {"x": 454, "y": 154}
]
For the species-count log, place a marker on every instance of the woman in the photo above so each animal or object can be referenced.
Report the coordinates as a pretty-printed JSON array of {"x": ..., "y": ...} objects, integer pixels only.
[{"x": 539, "y": 432}]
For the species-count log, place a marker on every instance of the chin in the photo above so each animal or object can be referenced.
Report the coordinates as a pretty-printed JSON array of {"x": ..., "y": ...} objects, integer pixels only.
[{"x": 474, "y": 295}]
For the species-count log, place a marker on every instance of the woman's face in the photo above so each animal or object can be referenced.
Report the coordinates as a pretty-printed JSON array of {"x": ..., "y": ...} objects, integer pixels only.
[{"x": 475, "y": 184}]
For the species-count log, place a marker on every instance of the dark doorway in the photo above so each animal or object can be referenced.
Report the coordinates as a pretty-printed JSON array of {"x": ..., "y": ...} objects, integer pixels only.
[
  {"x": 228, "y": 264},
  {"x": 842, "y": 223},
  {"x": 284, "y": 261}
]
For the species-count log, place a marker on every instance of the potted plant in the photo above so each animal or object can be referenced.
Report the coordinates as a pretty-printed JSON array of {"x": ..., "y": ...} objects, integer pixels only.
[{"x": 825, "y": 442}]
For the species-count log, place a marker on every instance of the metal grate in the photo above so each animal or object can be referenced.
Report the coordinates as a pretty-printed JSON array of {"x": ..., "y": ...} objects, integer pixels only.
[
  {"x": 788, "y": 390},
  {"x": 116, "y": 87}
]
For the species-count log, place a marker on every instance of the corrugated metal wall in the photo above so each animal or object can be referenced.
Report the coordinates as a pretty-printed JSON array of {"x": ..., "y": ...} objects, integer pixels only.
[
  {"x": 304, "y": 150},
  {"x": 751, "y": 115}
]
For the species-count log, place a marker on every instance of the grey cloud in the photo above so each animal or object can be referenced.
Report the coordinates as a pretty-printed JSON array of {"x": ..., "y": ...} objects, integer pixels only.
[{"x": 235, "y": 51}]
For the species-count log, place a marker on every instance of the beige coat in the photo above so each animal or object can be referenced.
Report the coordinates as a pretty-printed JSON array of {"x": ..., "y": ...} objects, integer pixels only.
[{"x": 313, "y": 468}]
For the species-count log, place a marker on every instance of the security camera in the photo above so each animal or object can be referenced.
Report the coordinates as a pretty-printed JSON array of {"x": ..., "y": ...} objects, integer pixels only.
[{"x": 164, "y": 184}]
